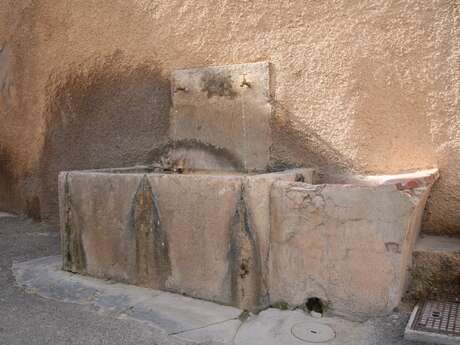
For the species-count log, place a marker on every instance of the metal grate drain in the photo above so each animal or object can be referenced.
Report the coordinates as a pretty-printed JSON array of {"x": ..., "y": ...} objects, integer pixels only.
[{"x": 438, "y": 317}]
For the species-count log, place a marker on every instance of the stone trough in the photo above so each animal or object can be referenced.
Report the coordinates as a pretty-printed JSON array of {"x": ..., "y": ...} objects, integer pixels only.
[{"x": 247, "y": 240}]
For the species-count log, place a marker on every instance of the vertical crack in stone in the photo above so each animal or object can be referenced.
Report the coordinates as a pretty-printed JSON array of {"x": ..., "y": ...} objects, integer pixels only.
[
  {"x": 246, "y": 272},
  {"x": 74, "y": 255},
  {"x": 151, "y": 250}
]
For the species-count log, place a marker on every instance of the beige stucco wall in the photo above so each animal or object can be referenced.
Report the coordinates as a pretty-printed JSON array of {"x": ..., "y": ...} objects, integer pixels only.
[{"x": 369, "y": 86}]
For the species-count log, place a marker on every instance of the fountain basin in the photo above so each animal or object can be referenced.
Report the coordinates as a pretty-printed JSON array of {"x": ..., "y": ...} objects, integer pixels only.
[{"x": 247, "y": 240}]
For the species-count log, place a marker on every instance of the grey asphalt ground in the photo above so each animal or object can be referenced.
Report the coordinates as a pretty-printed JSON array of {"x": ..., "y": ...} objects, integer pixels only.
[{"x": 29, "y": 319}]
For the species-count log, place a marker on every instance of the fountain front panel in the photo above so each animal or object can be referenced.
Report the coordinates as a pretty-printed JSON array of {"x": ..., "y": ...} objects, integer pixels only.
[{"x": 205, "y": 234}]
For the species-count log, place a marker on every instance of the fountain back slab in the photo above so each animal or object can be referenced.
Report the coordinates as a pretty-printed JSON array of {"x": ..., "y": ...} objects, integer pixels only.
[{"x": 226, "y": 107}]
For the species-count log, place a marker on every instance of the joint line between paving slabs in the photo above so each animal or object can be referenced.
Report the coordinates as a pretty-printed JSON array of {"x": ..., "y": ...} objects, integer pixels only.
[
  {"x": 236, "y": 332},
  {"x": 202, "y": 327}
]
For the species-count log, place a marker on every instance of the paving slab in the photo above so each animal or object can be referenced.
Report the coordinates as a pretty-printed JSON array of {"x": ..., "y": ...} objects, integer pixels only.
[
  {"x": 275, "y": 327},
  {"x": 169, "y": 312},
  {"x": 222, "y": 333}
]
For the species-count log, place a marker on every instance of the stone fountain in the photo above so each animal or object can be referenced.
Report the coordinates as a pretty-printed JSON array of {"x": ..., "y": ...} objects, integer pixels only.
[{"x": 209, "y": 220}]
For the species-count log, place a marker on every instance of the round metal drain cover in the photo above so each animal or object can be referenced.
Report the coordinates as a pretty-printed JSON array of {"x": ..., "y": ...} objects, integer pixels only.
[{"x": 313, "y": 332}]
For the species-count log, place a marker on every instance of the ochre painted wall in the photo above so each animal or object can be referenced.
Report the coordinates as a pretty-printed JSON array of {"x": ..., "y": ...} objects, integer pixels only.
[{"x": 364, "y": 86}]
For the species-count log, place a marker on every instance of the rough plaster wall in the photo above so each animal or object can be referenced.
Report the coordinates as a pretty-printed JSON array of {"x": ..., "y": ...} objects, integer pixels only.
[
  {"x": 370, "y": 86},
  {"x": 9, "y": 18}
]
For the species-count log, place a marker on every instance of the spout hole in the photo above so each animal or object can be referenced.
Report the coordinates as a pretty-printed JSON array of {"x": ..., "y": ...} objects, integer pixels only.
[
  {"x": 315, "y": 304},
  {"x": 299, "y": 178}
]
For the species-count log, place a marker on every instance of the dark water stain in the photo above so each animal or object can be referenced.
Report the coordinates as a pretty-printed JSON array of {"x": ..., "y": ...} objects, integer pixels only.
[
  {"x": 74, "y": 258},
  {"x": 18, "y": 193},
  {"x": 152, "y": 262},
  {"x": 7, "y": 87},
  {"x": 7, "y": 179},
  {"x": 246, "y": 270},
  {"x": 217, "y": 85},
  {"x": 33, "y": 208},
  {"x": 106, "y": 113}
]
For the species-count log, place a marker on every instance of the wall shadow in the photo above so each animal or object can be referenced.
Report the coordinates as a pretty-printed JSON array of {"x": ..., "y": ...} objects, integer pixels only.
[
  {"x": 295, "y": 146},
  {"x": 108, "y": 114}
]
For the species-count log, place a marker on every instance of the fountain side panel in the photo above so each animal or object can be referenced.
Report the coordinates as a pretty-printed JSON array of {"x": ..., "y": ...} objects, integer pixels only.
[{"x": 346, "y": 244}]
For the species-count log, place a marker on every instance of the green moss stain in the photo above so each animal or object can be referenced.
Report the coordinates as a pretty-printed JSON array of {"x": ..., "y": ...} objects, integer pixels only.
[{"x": 281, "y": 305}]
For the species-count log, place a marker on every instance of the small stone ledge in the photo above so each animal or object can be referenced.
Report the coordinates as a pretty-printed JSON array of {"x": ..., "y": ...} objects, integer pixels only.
[
  {"x": 438, "y": 244},
  {"x": 7, "y": 215},
  {"x": 436, "y": 268}
]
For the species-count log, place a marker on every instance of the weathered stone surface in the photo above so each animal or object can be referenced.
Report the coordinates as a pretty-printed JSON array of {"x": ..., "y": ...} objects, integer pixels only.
[
  {"x": 196, "y": 213},
  {"x": 227, "y": 107},
  {"x": 348, "y": 245},
  {"x": 97, "y": 236},
  {"x": 257, "y": 190},
  {"x": 202, "y": 234}
]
